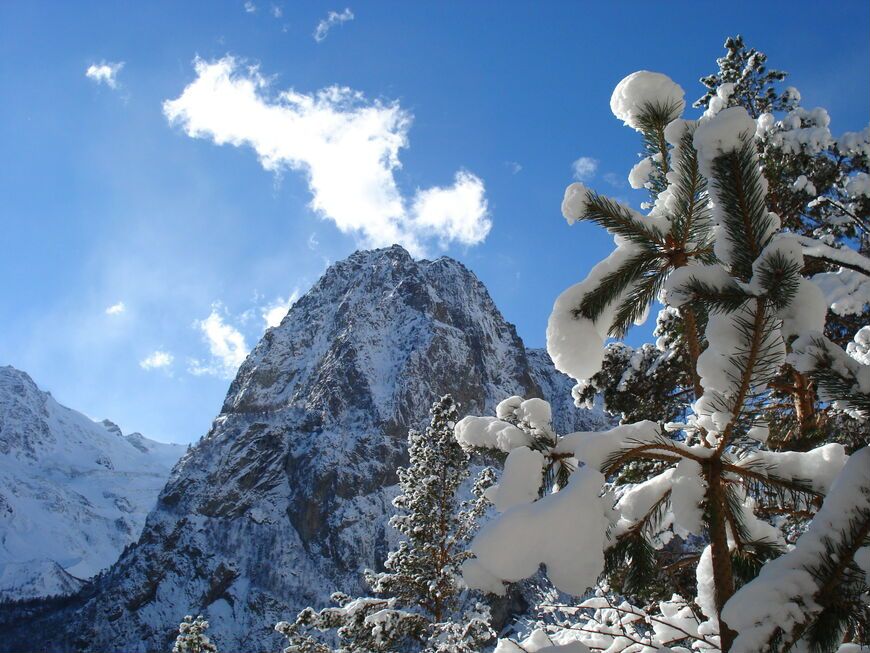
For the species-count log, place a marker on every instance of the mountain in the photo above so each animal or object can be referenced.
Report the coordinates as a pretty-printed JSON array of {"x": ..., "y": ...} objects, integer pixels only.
[
  {"x": 286, "y": 498},
  {"x": 73, "y": 492}
]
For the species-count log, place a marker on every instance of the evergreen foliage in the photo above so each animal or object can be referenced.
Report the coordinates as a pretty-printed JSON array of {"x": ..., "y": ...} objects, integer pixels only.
[
  {"x": 743, "y": 390},
  {"x": 419, "y": 604},
  {"x": 192, "y": 638}
]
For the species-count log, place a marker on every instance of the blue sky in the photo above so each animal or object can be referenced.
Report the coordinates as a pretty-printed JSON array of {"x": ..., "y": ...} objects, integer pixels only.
[{"x": 106, "y": 201}]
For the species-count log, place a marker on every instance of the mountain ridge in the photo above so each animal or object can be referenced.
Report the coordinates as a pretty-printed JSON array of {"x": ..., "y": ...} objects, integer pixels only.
[
  {"x": 286, "y": 498},
  {"x": 73, "y": 492}
]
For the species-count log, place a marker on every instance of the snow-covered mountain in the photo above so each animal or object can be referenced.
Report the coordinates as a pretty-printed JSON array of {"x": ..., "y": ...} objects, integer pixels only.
[
  {"x": 286, "y": 498},
  {"x": 73, "y": 492}
]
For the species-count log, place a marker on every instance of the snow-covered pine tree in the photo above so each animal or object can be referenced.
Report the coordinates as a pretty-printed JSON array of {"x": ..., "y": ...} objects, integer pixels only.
[
  {"x": 817, "y": 186},
  {"x": 192, "y": 638},
  {"x": 421, "y": 604},
  {"x": 712, "y": 250}
]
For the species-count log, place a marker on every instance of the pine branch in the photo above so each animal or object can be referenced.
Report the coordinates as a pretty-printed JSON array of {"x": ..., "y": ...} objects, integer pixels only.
[
  {"x": 739, "y": 190},
  {"x": 612, "y": 285},
  {"x": 618, "y": 220},
  {"x": 713, "y": 299},
  {"x": 637, "y": 302}
]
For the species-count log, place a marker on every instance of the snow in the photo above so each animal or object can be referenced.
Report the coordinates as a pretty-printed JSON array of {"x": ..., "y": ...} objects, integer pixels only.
[
  {"x": 641, "y": 89},
  {"x": 721, "y": 134},
  {"x": 720, "y": 100},
  {"x": 859, "y": 348},
  {"x": 706, "y": 599},
  {"x": 687, "y": 494},
  {"x": 507, "y": 408},
  {"x": 489, "y": 433},
  {"x": 564, "y": 531},
  {"x": 640, "y": 173},
  {"x": 784, "y": 591},
  {"x": 74, "y": 492},
  {"x": 594, "y": 448},
  {"x": 520, "y": 480},
  {"x": 846, "y": 292},
  {"x": 535, "y": 412},
  {"x": 813, "y": 347},
  {"x": 574, "y": 342},
  {"x": 636, "y": 501},
  {"x": 855, "y": 143},
  {"x": 804, "y": 184},
  {"x": 726, "y": 343},
  {"x": 801, "y": 130},
  {"x": 539, "y": 641},
  {"x": 805, "y": 312},
  {"x": 759, "y": 433},
  {"x": 715, "y": 276},
  {"x": 574, "y": 203},
  {"x": 844, "y": 256},
  {"x": 817, "y": 467}
]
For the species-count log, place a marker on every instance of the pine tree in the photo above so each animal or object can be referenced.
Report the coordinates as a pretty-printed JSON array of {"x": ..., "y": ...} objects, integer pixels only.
[
  {"x": 712, "y": 250},
  {"x": 817, "y": 185},
  {"x": 420, "y": 603},
  {"x": 192, "y": 638}
]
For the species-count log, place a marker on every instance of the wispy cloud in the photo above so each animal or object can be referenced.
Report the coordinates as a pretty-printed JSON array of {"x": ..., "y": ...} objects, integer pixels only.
[
  {"x": 514, "y": 167},
  {"x": 226, "y": 344},
  {"x": 347, "y": 145},
  {"x": 275, "y": 311},
  {"x": 250, "y": 7},
  {"x": 614, "y": 180},
  {"x": 105, "y": 73},
  {"x": 332, "y": 18},
  {"x": 276, "y": 11},
  {"x": 157, "y": 360},
  {"x": 116, "y": 309},
  {"x": 584, "y": 168}
]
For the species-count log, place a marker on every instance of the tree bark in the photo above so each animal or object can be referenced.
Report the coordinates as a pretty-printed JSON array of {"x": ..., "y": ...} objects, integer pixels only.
[{"x": 723, "y": 577}]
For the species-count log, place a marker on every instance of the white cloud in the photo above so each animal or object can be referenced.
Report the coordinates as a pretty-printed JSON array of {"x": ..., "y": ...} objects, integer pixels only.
[
  {"x": 156, "y": 360},
  {"x": 332, "y": 18},
  {"x": 274, "y": 312},
  {"x": 105, "y": 73},
  {"x": 348, "y": 147},
  {"x": 584, "y": 168},
  {"x": 277, "y": 12},
  {"x": 614, "y": 180},
  {"x": 456, "y": 212},
  {"x": 116, "y": 309},
  {"x": 250, "y": 7},
  {"x": 514, "y": 167},
  {"x": 226, "y": 345},
  {"x": 313, "y": 242}
]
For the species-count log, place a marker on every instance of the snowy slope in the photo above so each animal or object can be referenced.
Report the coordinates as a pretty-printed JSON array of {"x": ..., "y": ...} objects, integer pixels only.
[
  {"x": 73, "y": 493},
  {"x": 286, "y": 498}
]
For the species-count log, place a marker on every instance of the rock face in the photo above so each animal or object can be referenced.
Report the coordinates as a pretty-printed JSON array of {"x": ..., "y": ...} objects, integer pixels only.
[
  {"x": 73, "y": 492},
  {"x": 286, "y": 499}
]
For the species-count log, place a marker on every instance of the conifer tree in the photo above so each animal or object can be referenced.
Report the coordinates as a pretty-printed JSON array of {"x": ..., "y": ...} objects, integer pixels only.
[
  {"x": 719, "y": 477},
  {"x": 419, "y": 603},
  {"x": 192, "y": 638},
  {"x": 816, "y": 185}
]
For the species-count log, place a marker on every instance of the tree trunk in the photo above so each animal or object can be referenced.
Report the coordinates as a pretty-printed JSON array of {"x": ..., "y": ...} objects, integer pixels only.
[{"x": 723, "y": 578}]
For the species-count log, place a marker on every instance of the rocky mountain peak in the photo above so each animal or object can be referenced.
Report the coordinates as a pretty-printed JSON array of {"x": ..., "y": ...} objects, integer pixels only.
[{"x": 287, "y": 497}]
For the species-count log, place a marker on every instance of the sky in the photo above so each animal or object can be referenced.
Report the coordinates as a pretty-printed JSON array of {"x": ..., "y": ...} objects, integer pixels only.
[{"x": 175, "y": 174}]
